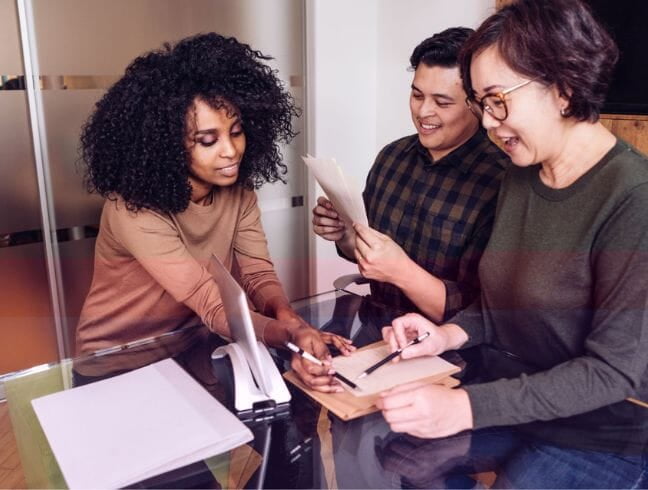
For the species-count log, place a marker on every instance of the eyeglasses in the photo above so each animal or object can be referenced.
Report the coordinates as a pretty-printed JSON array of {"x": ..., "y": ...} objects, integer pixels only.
[{"x": 494, "y": 104}]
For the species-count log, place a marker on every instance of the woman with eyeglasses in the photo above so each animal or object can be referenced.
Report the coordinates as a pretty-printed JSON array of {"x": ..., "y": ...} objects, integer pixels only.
[{"x": 563, "y": 308}]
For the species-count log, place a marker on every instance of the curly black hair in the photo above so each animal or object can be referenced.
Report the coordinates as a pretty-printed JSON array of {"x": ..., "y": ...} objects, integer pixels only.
[{"x": 133, "y": 145}]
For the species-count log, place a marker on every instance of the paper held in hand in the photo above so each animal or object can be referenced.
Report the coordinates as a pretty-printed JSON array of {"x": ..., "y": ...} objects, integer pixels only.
[
  {"x": 340, "y": 188},
  {"x": 121, "y": 430}
]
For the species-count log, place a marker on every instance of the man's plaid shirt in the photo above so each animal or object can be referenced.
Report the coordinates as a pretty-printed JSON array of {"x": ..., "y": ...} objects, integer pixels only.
[{"x": 441, "y": 213}]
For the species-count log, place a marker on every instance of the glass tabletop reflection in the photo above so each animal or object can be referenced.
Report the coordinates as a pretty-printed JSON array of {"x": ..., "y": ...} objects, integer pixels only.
[{"x": 307, "y": 447}]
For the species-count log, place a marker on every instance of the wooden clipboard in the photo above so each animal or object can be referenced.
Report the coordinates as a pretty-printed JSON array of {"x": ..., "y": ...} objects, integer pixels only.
[{"x": 348, "y": 406}]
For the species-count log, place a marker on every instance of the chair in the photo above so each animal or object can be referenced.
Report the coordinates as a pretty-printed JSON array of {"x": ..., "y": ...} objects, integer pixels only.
[{"x": 343, "y": 282}]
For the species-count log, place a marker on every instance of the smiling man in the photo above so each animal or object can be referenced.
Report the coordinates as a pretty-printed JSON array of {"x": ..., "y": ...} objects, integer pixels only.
[{"x": 430, "y": 197}]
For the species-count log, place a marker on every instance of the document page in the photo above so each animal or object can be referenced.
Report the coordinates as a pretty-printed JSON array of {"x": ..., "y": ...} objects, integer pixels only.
[
  {"x": 340, "y": 188},
  {"x": 390, "y": 374},
  {"x": 124, "y": 429}
]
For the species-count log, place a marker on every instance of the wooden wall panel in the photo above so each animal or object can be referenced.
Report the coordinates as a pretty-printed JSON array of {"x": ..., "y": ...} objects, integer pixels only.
[{"x": 633, "y": 129}]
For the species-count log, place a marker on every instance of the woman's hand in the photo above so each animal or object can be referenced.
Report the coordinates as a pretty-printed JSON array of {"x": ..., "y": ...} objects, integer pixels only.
[
  {"x": 406, "y": 328},
  {"x": 311, "y": 340},
  {"x": 379, "y": 257},
  {"x": 426, "y": 410},
  {"x": 294, "y": 329},
  {"x": 342, "y": 344}
]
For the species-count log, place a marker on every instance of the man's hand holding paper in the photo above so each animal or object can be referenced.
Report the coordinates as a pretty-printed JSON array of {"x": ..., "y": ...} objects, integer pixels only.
[
  {"x": 379, "y": 257},
  {"x": 327, "y": 222},
  {"x": 342, "y": 218}
]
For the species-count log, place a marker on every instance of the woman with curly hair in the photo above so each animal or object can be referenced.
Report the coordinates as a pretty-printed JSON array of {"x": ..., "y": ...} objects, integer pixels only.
[{"x": 177, "y": 147}]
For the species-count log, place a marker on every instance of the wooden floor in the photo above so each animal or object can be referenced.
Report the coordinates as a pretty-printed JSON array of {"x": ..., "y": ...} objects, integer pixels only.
[{"x": 11, "y": 475}]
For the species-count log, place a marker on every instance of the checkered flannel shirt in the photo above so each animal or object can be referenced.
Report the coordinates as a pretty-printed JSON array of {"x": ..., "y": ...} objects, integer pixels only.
[{"x": 441, "y": 213}]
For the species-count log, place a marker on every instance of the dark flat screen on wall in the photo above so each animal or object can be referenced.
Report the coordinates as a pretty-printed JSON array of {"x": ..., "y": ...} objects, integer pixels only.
[{"x": 627, "y": 22}]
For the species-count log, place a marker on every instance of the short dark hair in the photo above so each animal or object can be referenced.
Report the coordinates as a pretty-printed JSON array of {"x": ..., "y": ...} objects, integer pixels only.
[
  {"x": 557, "y": 42},
  {"x": 442, "y": 49},
  {"x": 134, "y": 144}
]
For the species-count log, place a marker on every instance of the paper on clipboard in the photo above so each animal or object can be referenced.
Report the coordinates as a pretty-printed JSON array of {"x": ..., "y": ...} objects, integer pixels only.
[
  {"x": 391, "y": 374},
  {"x": 349, "y": 405},
  {"x": 340, "y": 188}
]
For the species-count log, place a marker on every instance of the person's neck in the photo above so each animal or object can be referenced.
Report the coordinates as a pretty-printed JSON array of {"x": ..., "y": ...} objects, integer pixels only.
[
  {"x": 583, "y": 146},
  {"x": 202, "y": 196}
]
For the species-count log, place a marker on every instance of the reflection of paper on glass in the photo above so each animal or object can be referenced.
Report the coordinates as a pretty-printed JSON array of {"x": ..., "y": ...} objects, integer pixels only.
[
  {"x": 392, "y": 373},
  {"x": 134, "y": 426},
  {"x": 341, "y": 189}
]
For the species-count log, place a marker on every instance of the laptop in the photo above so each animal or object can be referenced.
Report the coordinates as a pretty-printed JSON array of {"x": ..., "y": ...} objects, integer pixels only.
[{"x": 238, "y": 317}]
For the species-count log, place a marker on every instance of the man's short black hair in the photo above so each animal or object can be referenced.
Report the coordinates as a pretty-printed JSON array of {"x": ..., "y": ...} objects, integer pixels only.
[{"x": 442, "y": 49}]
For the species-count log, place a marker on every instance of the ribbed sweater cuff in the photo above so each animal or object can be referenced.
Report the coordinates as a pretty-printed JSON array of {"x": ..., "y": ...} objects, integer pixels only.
[{"x": 471, "y": 322}]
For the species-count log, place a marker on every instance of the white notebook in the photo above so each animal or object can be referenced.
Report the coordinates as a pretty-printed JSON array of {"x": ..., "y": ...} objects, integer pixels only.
[{"x": 140, "y": 424}]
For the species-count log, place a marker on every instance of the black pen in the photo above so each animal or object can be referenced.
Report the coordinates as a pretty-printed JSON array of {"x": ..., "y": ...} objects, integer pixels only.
[
  {"x": 310, "y": 357},
  {"x": 394, "y": 354}
]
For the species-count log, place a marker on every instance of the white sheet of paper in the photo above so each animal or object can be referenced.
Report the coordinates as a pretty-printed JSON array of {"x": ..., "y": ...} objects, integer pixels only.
[
  {"x": 390, "y": 374},
  {"x": 124, "y": 429},
  {"x": 340, "y": 188}
]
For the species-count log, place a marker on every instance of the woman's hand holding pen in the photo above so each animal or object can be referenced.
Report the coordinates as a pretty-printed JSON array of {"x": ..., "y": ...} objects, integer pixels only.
[
  {"x": 408, "y": 327},
  {"x": 290, "y": 327},
  {"x": 319, "y": 378}
]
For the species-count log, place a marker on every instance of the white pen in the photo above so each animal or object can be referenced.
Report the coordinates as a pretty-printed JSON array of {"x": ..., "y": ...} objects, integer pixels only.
[
  {"x": 310, "y": 357},
  {"x": 303, "y": 353}
]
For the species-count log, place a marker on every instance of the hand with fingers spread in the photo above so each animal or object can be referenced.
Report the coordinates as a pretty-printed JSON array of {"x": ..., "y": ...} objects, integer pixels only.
[
  {"x": 407, "y": 327},
  {"x": 344, "y": 345},
  {"x": 379, "y": 257},
  {"x": 311, "y": 340},
  {"x": 426, "y": 410}
]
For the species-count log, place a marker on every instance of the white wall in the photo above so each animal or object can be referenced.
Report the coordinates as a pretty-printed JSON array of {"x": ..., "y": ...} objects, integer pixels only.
[
  {"x": 395, "y": 44},
  {"x": 358, "y": 86}
]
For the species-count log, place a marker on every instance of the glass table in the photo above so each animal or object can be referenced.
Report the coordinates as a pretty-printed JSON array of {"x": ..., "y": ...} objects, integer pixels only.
[{"x": 306, "y": 447}]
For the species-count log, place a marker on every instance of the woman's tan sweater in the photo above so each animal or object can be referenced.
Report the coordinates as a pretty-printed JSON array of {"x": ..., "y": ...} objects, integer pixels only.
[{"x": 151, "y": 269}]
